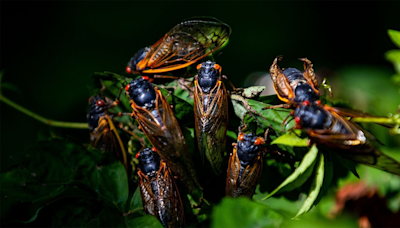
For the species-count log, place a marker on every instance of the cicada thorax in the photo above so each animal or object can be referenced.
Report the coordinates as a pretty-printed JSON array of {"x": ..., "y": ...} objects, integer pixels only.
[
  {"x": 211, "y": 114},
  {"x": 103, "y": 133},
  {"x": 185, "y": 44},
  {"x": 158, "y": 122},
  {"x": 330, "y": 128},
  {"x": 158, "y": 190},
  {"x": 293, "y": 86},
  {"x": 245, "y": 164}
]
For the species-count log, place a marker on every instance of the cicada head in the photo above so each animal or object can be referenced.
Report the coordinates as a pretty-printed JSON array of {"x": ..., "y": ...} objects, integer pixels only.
[
  {"x": 304, "y": 92},
  {"x": 149, "y": 162},
  {"x": 248, "y": 148},
  {"x": 97, "y": 108},
  {"x": 309, "y": 115},
  {"x": 209, "y": 73},
  {"x": 139, "y": 56},
  {"x": 142, "y": 93}
]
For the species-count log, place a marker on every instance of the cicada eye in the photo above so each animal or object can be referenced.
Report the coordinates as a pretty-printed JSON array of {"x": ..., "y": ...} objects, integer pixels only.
[
  {"x": 306, "y": 103},
  {"x": 100, "y": 103},
  {"x": 241, "y": 137},
  {"x": 198, "y": 66},
  {"x": 146, "y": 78},
  {"x": 153, "y": 149},
  {"x": 258, "y": 141},
  {"x": 127, "y": 87},
  {"x": 297, "y": 119},
  {"x": 128, "y": 70},
  {"x": 217, "y": 67},
  {"x": 317, "y": 102},
  {"x": 137, "y": 155}
]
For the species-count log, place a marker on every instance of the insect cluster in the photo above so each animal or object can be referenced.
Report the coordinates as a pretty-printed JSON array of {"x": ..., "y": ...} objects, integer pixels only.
[{"x": 169, "y": 159}]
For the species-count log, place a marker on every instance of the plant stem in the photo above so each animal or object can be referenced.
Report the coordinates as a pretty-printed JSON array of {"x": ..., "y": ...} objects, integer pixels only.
[
  {"x": 381, "y": 120},
  {"x": 49, "y": 122}
]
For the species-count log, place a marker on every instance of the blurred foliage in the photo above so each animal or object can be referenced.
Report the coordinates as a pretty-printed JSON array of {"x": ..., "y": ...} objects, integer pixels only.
[{"x": 60, "y": 182}]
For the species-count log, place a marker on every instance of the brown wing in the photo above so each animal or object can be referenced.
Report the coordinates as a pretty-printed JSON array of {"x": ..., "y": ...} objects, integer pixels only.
[
  {"x": 281, "y": 82},
  {"x": 309, "y": 74},
  {"x": 166, "y": 136},
  {"x": 106, "y": 138},
  {"x": 355, "y": 145},
  {"x": 211, "y": 121},
  {"x": 148, "y": 197},
  {"x": 250, "y": 178},
  {"x": 185, "y": 44},
  {"x": 170, "y": 207},
  {"x": 232, "y": 173}
]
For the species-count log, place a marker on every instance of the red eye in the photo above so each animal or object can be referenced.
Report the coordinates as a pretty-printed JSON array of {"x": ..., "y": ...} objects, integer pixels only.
[
  {"x": 258, "y": 141},
  {"x": 217, "y": 67},
  {"x": 198, "y": 66},
  {"x": 317, "y": 102},
  {"x": 241, "y": 137},
  {"x": 128, "y": 70},
  {"x": 127, "y": 87},
  {"x": 100, "y": 103},
  {"x": 146, "y": 78},
  {"x": 297, "y": 119},
  {"x": 306, "y": 103},
  {"x": 137, "y": 155},
  {"x": 153, "y": 149}
]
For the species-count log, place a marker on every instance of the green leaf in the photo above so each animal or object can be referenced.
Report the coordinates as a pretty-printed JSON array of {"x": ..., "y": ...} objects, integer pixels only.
[
  {"x": 300, "y": 175},
  {"x": 147, "y": 221},
  {"x": 231, "y": 134},
  {"x": 242, "y": 212},
  {"x": 48, "y": 169},
  {"x": 394, "y": 36},
  {"x": 136, "y": 201},
  {"x": 315, "y": 188},
  {"x": 394, "y": 57},
  {"x": 180, "y": 88},
  {"x": 328, "y": 176},
  {"x": 240, "y": 111},
  {"x": 253, "y": 91},
  {"x": 291, "y": 139},
  {"x": 350, "y": 165},
  {"x": 183, "y": 110}
]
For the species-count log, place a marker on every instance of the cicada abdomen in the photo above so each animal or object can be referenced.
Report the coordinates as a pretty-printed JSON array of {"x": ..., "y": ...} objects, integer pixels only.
[
  {"x": 328, "y": 126},
  {"x": 293, "y": 86},
  {"x": 159, "y": 192},
  {"x": 245, "y": 164},
  {"x": 158, "y": 122},
  {"x": 185, "y": 44},
  {"x": 211, "y": 113},
  {"x": 103, "y": 134}
]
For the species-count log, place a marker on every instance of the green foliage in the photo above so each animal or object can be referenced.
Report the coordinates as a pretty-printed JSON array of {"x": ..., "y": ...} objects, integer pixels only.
[{"x": 62, "y": 183}]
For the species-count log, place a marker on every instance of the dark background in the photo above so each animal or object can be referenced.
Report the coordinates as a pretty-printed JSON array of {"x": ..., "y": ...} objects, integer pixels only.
[{"x": 50, "y": 49}]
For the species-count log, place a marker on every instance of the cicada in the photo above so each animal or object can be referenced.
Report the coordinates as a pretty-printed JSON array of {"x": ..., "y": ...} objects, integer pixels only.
[
  {"x": 103, "y": 133},
  {"x": 245, "y": 164},
  {"x": 156, "y": 119},
  {"x": 211, "y": 113},
  {"x": 329, "y": 126},
  {"x": 185, "y": 44},
  {"x": 159, "y": 192},
  {"x": 293, "y": 86}
]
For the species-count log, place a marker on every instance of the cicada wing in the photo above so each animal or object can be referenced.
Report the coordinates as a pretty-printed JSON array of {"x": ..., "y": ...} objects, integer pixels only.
[
  {"x": 171, "y": 212},
  {"x": 164, "y": 133},
  {"x": 250, "y": 177},
  {"x": 211, "y": 124},
  {"x": 186, "y": 43},
  {"x": 106, "y": 138},
  {"x": 148, "y": 197},
  {"x": 370, "y": 156},
  {"x": 232, "y": 174}
]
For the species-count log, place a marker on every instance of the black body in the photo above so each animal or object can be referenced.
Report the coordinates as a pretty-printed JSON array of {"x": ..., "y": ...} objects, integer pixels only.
[
  {"x": 142, "y": 93},
  {"x": 96, "y": 111}
]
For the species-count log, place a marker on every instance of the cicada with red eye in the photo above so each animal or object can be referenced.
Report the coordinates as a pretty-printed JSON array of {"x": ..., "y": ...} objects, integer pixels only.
[
  {"x": 159, "y": 192},
  {"x": 156, "y": 119},
  {"x": 329, "y": 126},
  {"x": 245, "y": 165},
  {"x": 211, "y": 113},
  {"x": 293, "y": 86},
  {"x": 103, "y": 133},
  {"x": 186, "y": 43}
]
